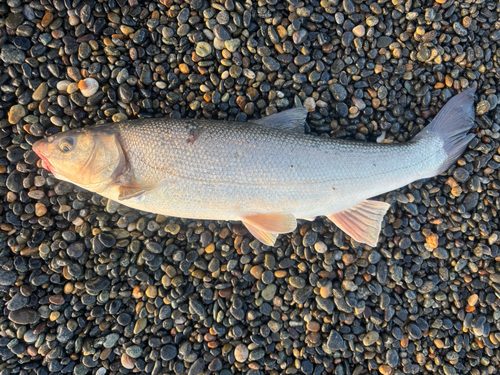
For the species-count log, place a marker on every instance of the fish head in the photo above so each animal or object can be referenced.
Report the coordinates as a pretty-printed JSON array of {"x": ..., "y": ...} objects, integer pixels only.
[{"x": 90, "y": 158}]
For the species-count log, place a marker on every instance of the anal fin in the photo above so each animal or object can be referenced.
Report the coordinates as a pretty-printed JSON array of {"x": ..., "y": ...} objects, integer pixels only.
[
  {"x": 363, "y": 221},
  {"x": 267, "y": 238},
  {"x": 266, "y": 227}
]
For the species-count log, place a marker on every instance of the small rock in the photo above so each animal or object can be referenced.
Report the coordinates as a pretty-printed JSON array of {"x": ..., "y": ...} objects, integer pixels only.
[
  {"x": 359, "y": 31},
  {"x": 7, "y": 278},
  {"x": 482, "y": 107},
  {"x": 16, "y": 113},
  {"x": 338, "y": 91},
  {"x": 168, "y": 352},
  {"x": 370, "y": 338},
  {"x": 335, "y": 341},
  {"x": 40, "y": 92},
  {"x": 88, "y": 87},
  {"x": 9, "y": 54},
  {"x": 241, "y": 353},
  {"x": 23, "y": 316}
]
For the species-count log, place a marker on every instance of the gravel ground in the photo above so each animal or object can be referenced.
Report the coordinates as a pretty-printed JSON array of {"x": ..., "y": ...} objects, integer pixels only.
[{"x": 91, "y": 287}]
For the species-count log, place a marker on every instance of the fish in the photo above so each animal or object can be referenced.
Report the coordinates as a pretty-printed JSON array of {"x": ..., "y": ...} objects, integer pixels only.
[{"x": 265, "y": 173}]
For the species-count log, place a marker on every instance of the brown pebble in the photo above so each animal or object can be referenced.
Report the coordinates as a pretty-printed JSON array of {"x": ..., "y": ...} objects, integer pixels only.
[
  {"x": 385, "y": 370},
  {"x": 47, "y": 19},
  {"x": 137, "y": 292},
  {"x": 40, "y": 209},
  {"x": 224, "y": 293},
  {"x": 32, "y": 351},
  {"x": 127, "y": 361},
  {"x": 151, "y": 291},
  {"x": 472, "y": 300},
  {"x": 184, "y": 68},
  {"x": 256, "y": 271},
  {"x": 347, "y": 259},
  {"x": 439, "y": 343},
  {"x": 313, "y": 326},
  {"x": 56, "y": 299}
]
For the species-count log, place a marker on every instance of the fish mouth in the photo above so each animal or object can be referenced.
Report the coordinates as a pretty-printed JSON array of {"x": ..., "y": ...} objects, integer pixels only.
[{"x": 38, "y": 149}]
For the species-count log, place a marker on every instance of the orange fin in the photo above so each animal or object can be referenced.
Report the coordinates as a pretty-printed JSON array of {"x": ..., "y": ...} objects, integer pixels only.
[
  {"x": 267, "y": 227},
  {"x": 132, "y": 191},
  {"x": 362, "y": 222},
  {"x": 275, "y": 223},
  {"x": 267, "y": 238}
]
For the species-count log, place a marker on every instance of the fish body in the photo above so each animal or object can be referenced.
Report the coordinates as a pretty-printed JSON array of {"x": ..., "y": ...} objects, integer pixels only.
[
  {"x": 233, "y": 170},
  {"x": 266, "y": 174}
]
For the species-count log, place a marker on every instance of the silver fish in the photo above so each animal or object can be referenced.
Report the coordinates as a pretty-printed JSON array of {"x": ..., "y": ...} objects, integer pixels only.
[{"x": 266, "y": 173}]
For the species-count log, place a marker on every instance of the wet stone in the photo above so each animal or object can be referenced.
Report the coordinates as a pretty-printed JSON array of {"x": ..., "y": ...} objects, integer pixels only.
[
  {"x": 335, "y": 341},
  {"x": 17, "y": 302},
  {"x": 370, "y": 338},
  {"x": 241, "y": 353},
  {"x": 461, "y": 174},
  {"x": 384, "y": 41},
  {"x": 270, "y": 63},
  {"x": 168, "y": 352},
  {"x": 338, "y": 91},
  {"x": 7, "y": 278},
  {"x": 197, "y": 367},
  {"x": 23, "y": 316}
]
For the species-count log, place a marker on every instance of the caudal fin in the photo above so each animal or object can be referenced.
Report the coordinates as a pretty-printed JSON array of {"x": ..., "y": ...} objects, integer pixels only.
[{"x": 451, "y": 125}]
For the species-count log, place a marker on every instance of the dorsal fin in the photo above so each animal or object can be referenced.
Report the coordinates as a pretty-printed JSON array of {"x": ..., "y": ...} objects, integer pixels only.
[{"x": 292, "y": 120}]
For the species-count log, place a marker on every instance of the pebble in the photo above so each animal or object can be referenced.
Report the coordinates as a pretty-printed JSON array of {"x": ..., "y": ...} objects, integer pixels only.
[
  {"x": 241, "y": 353},
  {"x": 483, "y": 107},
  {"x": 16, "y": 113},
  {"x": 23, "y": 316},
  {"x": 370, "y": 338},
  {"x": 338, "y": 91},
  {"x": 335, "y": 341},
  {"x": 359, "y": 31},
  {"x": 40, "y": 92},
  {"x": 9, "y": 54},
  {"x": 88, "y": 87},
  {"x": 17, "y": 302},
  {"x": 168, "y": 352},
  {"x": 203, "y": 49},
  {"x": 7, "y": 277}
]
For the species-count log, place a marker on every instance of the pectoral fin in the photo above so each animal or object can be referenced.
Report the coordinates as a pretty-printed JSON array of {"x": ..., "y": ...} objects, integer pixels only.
[
  {"x": 291, "y": 121},
  {"x": 362, "y": 222},
  {"x": 266, "y": 227},
  {"x": 132, "y": 191}
]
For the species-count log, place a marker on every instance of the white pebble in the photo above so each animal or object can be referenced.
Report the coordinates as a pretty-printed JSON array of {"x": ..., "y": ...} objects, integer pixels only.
[
  {"x": 88, "y": 86},
  {"x": 381, "y": 137},
  {"x": 310, "y": 104},
  {"x": 161, "y": 85},
  {"x": 321, "y": 104}
]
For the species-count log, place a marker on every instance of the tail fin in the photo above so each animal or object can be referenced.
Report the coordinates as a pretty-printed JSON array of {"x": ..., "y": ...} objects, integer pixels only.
[{"x": 451, "y": 125}]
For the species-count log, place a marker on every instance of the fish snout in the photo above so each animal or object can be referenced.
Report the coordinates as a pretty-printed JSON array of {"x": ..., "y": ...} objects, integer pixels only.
[{"x": 40, "y": 148}]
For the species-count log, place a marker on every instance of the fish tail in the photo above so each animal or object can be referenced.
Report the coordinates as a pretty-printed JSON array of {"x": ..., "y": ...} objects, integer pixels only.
[{"x": 451, "y": 125}]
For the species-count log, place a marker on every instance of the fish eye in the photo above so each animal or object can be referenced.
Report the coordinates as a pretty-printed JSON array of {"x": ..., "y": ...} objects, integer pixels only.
[{"x": 66, "y": 144}]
